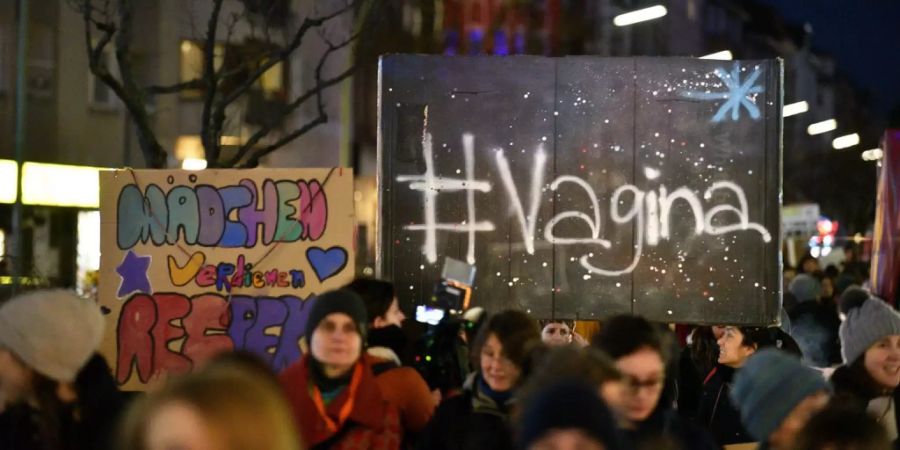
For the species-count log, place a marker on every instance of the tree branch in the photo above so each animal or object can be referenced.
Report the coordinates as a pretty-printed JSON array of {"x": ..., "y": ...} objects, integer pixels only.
[
  {"x": 209, "y": 130},
  {"x": 279, "y": 55},
  {"x": 125, "y": 89},
  {"x": 130, "y": 93},
  {"x": 195, "y": 83},
  {"x": 322, "y": 117}
]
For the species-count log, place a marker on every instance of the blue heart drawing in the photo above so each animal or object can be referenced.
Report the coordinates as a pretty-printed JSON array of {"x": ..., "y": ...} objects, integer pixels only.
[{"x": 326, "y": 263}]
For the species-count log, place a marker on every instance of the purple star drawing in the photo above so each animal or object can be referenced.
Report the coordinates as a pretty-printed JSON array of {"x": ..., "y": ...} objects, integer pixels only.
[{"x": 133, "y": 271}]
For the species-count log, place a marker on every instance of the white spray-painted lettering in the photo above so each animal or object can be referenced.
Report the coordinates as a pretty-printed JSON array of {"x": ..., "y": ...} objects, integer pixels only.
[
  {"x": 430, "y": 185},
  {"x": 593, "y": 224},
  {"x": 537, "y": 179},
  {"x": 649, "y": 210}
]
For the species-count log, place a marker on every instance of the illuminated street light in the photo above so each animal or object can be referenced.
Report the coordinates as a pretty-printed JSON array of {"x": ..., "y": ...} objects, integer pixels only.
[
  {"x": 845, "y": 141},
  {"x": 822, "y": 127},
  {"x": 60, "y": 185},
  {"x": 795, "y": 108},
  {"x": 9, "y": 176},
  {"x": 641, "y": 15},
  {"x": 193, "y": 164},
  {"x": 873, "y": 155},
  {"x": 724, "y": 55}
]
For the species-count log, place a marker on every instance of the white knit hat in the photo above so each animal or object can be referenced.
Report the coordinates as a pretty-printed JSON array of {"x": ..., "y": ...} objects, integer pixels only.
[{"x": 54, "y": 332}]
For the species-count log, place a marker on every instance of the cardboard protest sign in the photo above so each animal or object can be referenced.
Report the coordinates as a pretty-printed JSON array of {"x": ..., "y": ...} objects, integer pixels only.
[
  {"x": 195, "y": 263},
  {"x": 583, "y": 187}
]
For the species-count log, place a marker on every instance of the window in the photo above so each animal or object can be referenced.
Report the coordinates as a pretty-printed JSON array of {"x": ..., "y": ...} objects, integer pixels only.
[
  {"x": 100, "y": 96},
  {"x": 41, "y": 79},
  {"x": 272, "y": 82},
  {"x": 191, "y": 64},
  {"x": 239, "y": 61}
]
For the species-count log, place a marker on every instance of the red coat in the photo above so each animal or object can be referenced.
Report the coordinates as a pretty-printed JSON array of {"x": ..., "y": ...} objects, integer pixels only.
[{"x": 373, "y": 422}]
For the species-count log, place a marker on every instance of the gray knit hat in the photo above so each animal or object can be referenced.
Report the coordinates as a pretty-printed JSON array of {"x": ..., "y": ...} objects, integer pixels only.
[
  {"x": 805, "y": 288},
  {"x": 769, "y": 386},
  {"x": 54, "y": 332},
  {"x": 868, "y": 319}
]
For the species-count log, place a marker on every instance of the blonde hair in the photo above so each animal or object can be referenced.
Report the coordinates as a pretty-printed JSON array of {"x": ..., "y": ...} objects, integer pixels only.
[{"x": 244, "y": 408}]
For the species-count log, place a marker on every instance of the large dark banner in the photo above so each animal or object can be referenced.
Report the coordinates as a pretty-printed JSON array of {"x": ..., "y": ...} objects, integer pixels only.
[{"x": 583, "y": 187}]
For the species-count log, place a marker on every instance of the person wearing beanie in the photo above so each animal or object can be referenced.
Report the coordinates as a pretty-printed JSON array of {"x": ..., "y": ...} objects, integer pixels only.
[
  {"x": 479, "y": 417},
  {"x": 814, "y": 322},
  {"x": 402, "y": 386},
  {"x": 336, "y": 401},
  {"x": 870, "y": 346},
  {"x": 567, "y": 415},
  {"x": 776, "y": 394},
  {"x": 805, "y": 287},
  {"x": 55, "y": 390}
]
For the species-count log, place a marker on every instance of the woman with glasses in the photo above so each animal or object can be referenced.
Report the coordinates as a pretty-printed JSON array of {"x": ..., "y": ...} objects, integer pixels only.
[
  {"x": 639, "y": 349},
  {"x": 479, "y": 417}
]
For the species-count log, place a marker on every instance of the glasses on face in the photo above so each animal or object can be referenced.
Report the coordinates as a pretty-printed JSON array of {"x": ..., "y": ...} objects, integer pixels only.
[{"x": 652, "y": 384}]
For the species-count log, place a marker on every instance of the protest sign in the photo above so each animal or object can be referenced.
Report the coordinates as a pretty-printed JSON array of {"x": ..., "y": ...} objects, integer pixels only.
[
  {"x": 583, "y": 187},
  {"x": 195, "y": 263}
]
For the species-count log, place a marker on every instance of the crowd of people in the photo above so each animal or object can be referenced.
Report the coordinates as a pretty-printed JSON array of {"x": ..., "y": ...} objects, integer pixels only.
[{"x": 485, "y": 380}]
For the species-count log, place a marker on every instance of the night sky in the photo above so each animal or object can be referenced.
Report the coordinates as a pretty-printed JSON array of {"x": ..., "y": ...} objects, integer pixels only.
[{"x": 862, "y": 35}]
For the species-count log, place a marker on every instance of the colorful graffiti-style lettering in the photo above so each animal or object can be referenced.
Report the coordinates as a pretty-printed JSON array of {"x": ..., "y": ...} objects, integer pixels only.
[
  {"x": 232, "y": 216},
  {"x": 151, "y": 327},
  {"x": 226, "y": 276}
]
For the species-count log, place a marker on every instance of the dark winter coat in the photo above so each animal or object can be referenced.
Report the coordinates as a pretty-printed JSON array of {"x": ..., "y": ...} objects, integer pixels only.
[
  {"x": 690, "y": 384},
  {"x": 717, "y": 413},
  {"x": 815, "y": 328},
  {"x": 469, "y": 421},
  {"x": 666, "y": 429},
  {"x": 853, "y": 389},
  {"x": 98, "y": 407}
]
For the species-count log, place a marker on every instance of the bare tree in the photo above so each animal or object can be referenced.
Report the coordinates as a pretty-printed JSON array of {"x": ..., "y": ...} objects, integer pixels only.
[{"x": 111, "y": 23}]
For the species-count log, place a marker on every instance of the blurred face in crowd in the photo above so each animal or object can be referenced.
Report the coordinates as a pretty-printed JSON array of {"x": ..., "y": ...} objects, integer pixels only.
[
  {"x": 882, "y": 362},
  {"x": 15, "y": 379},
  {"x": 336, "y": 343},
  {"x": 718, "y": 331},
  {"x": 556, "y": 333},
  {"x": 393, "y": 316},
  {"x": 732, "y": 351},
  {"x": 784, "y": 437},
  {"x": 566, "y": 439},
  {"x": 614, "y": 394},
  {"x": 810, "y": 265},
  {"x": 644, "y": 373},
  {"x": 827, "y": 288},
  {"x": 178, "y": 426},
  {"x": 498, "y": 371}
]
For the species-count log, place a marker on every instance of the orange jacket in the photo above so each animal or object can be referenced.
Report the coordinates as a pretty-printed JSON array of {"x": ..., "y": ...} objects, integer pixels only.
[
  {"x": 373, "y": 423},
  {"x": 404, "y": 388}
]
